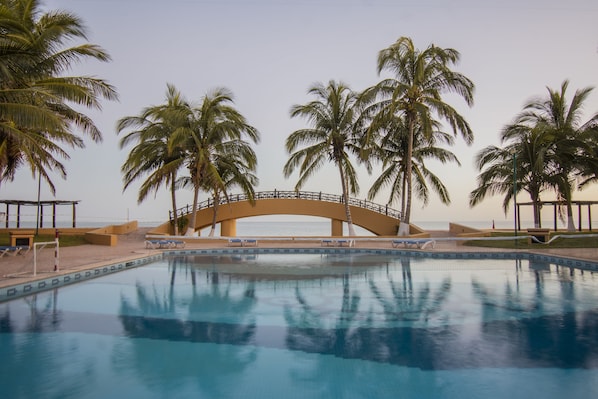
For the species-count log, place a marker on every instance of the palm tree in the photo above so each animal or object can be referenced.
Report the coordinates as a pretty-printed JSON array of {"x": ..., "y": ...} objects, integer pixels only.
[
  {"x": 415, "y": 93},
  {"x": 571, "y": 148},
  {"x": 35, "y": 115},
  {"x": 153, "y": 154},
  {"x": 216, "y": 128},
  {"x": 331, "y": 138},
  {"x": 553, "y": 151},
  {"x": 392, "y": 151},
  {"x": 236, "y": 167},
  {"x": 522, "y": 162}
]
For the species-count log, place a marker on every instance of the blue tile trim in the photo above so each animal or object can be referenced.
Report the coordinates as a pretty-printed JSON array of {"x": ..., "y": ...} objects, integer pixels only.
[
  {"x": 44, "y": 284},
  {"x": 12, "y": 292}
]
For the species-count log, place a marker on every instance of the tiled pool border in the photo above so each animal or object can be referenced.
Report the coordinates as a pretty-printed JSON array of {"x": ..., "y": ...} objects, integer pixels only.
[
  {"x": 44, "y": 284},
  {"x": 60, "y": 280}
]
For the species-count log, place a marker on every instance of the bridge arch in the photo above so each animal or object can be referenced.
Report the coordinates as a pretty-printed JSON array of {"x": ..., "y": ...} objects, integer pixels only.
[{"x": 378, "y": 219}]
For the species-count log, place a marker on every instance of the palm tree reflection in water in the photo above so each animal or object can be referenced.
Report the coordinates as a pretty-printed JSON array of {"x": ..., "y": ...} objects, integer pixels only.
[{"x": 158, "y": 317}]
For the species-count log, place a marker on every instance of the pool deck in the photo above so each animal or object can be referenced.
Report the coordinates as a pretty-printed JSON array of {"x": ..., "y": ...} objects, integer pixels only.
[{"x": 18, "y": 269}]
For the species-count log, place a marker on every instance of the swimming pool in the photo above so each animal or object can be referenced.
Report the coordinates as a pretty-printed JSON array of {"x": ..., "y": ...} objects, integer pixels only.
[{"x": 312, "y": 325}]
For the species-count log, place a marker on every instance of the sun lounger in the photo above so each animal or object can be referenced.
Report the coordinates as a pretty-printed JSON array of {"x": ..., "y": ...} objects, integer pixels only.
[
  {"x": 235, "y": 242},
  {"x": 164, "y": 244},
  {"x": 245, "y": 242},
  {"x": 176, "y": 243},
  {"x": 153, "y": 244},
  {"x": 12, "y": 250},
  {"x": 337, "y": 242},
  {"x": 24, "y": 249},
  {"x": 420, "y": 243}
]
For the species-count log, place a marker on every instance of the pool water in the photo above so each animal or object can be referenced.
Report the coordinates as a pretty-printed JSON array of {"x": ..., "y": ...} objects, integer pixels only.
[{"x": 308, "y": 326}]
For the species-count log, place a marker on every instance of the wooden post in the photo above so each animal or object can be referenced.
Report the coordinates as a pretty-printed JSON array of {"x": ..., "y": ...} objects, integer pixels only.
[{"x": 74, "y": 215}]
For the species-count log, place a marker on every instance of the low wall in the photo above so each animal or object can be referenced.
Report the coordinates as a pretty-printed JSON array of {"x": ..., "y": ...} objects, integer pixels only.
[
  {"x": 109, "y": 235},
  {"x": 457, "y": 229},
  {"x": 164, "y": 229}
]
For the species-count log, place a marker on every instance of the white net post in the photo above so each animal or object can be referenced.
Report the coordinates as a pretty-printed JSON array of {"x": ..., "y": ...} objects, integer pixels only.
[{"x": 56, "y": 253}]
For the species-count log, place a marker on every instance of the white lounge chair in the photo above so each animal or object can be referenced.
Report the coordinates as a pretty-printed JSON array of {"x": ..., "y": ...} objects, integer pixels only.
[
  {"x": 176, "y": 243},
  {"x": 420, "y": 243},
  {"x": 235, "y": 242},
  {"x": 10, "y": 250}
]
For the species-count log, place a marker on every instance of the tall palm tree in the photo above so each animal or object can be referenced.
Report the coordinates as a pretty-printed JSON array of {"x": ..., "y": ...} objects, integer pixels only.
[
  {"x": 216, "y": 125},
  {"x": 35, "y": 93},
  {"x": 236, "y": 167},
  {"x": 521, "y": 165},
  {"x": 572, "y": 140},
  {"x": 332, "y": 138},
  {"x": 415, "y": 93},
  {"x": 392, "y": 151},
  {"x": 154, "y": 155}
]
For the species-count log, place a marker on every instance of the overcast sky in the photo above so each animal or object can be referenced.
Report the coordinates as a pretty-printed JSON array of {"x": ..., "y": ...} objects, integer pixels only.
[{"x": 268, "y": 52}]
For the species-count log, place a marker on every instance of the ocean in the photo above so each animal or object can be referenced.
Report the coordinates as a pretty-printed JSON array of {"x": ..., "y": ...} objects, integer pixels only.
[
  {"x": 322, "y": 228},
  {"x": 256, "y": 227}
]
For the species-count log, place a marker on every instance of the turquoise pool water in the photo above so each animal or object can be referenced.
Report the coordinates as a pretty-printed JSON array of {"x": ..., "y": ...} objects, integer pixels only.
[{"x": 308, "y": 326}]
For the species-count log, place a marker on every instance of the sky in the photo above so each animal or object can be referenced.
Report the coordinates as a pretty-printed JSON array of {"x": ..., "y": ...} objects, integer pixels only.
[{"x": 269, "y": 52}]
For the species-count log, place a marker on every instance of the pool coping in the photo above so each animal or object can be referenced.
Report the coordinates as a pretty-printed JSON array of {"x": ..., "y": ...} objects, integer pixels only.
[{"x": 45, "y": 283}]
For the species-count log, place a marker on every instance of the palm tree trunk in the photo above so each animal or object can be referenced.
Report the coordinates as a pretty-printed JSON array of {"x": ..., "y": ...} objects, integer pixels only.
[
  {"x": 173, "y": 198},
  {"x": 407, "y": 215},
  {"x": 346, "y": 199},
  {"x": 403, "y": 194},
  {"x": 191, "y": 228},
  {"x": 567, "y": 193},
  {"x": 536, "y": 211},
  {"x": 214, "y": 214},
  {"x": 535, "y": 207},
  {"x": 570, "y": 222}
]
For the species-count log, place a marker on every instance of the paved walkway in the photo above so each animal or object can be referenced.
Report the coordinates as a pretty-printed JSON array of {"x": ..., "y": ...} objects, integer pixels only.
[{"x": 19, "y": 269}]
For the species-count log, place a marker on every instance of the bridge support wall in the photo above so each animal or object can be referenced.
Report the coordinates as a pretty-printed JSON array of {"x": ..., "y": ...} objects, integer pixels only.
[
  {"x": 336, "y": 228},
  {"x": 228, "y": 228}
]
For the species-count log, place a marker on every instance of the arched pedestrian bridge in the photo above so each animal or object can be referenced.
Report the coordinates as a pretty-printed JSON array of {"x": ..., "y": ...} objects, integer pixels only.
[{"x": 378, "y": 219}]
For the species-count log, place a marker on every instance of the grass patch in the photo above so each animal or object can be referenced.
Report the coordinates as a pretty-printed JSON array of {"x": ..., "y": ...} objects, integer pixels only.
[
  {"x": 65, "y": 240},
  {"x": 522, "y": 243}
]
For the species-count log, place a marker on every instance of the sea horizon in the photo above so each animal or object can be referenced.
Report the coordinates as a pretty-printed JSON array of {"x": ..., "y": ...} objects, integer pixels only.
[{"x": 299, "y": 227}]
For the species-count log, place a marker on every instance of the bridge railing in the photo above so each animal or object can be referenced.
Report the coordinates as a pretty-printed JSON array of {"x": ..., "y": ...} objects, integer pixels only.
[{"x": 308, "y": 195}]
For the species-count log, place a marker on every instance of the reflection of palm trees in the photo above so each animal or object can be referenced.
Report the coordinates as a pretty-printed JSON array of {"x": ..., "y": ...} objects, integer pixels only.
[
  {"x": 36, "y": 349},
  {"x": 527, "y": 332},
  {"x": 158, "y": 318},
  {"x": 306, "y": 332},
  {"x": 407, "y": 305},
  {"x": 393, "y": 344},
  {"x": 514, "y": 301}
]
